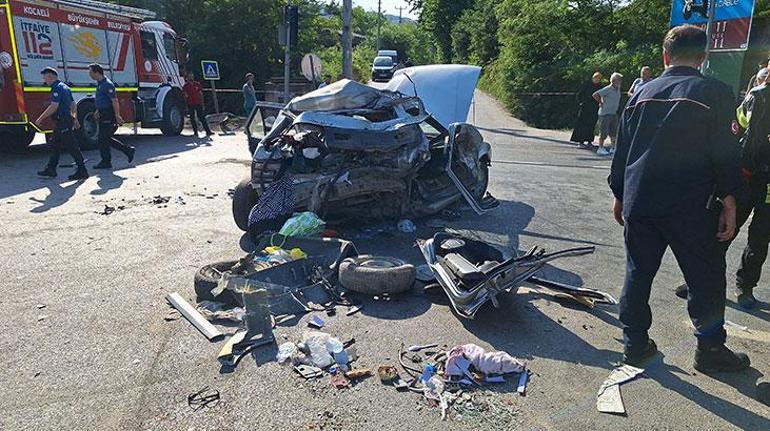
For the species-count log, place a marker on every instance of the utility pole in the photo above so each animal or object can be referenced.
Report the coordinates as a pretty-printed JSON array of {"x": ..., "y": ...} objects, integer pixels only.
[
  {"x": 400, "y": 13},
  {"x": 347, "y": 39},
  {"x": 709, "y": 33},
  {"x": 379, "y": 19},
  {"x": 287, "y": 53}
]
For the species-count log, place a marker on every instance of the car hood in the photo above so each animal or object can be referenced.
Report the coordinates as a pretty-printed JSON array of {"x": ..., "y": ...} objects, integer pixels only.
[{"x": 446, "y": 90}]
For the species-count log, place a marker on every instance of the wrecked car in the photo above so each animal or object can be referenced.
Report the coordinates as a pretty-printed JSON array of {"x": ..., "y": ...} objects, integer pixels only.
[
  {"x": 472, "y": 272},
  {"x": 355, "y": 152}
]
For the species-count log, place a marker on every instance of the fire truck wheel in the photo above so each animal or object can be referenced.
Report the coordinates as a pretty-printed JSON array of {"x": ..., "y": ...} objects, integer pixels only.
[
  {"x": 16, "y": 138},
  {"x": 88, "y": 135},
  {"x": 244, "y": 199},
  {"x": 173, "y": 114}
]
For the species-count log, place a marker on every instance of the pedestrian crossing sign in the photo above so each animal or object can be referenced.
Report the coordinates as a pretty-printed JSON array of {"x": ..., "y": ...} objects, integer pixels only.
[{"x": 210, "y": 70}]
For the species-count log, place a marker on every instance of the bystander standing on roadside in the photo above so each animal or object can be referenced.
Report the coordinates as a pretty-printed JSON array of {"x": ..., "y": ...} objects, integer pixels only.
[
  {"x": 675, "y": 176},
  {"x": 193, "y": 93},
  {"x": 249, "y": 94},
  {"x": 64, "y": 113},
  {"x": 645, "y": 76},
  {"x": 108, "y": 115},
  {"x": 585, "y": 126},
  {"x": 609, "y": 102}
]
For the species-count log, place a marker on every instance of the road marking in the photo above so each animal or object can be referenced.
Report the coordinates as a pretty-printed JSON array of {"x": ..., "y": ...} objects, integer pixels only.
[{"x": 551, "y": 165}]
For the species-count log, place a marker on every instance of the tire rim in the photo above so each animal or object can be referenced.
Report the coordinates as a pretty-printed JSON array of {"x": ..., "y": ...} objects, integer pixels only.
[
  {"x": 90, "y": 127},
  {"x": 378, "y": 263},
  {"x": 175, "y": 117}
]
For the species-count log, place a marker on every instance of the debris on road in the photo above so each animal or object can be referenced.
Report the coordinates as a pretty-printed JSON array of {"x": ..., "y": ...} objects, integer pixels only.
[
  {"x": 387, "y": 373},
  {"x": 304, "y": 224},
  {"x": 308, "y": 372},
  {"x": 213, "y": 310},
  {"x": 192, "y": 315},
  {"x": 358, "y": 373},
  {"x": 204, "y": 398},
  {"x": 609, "y": 400},
  {"x": 316, "y": 322},
  {"x": 376, "y": 275},
  {"x": 473, "y": 272}
]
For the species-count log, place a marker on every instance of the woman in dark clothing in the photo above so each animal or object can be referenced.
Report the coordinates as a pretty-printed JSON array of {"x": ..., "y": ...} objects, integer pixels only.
[{"x": 588, "y": 111}]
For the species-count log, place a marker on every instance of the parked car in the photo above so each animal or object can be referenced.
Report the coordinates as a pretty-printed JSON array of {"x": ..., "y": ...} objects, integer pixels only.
[
  {"x": 392, "y": 53},
  {"x": 383, "y": 69},
  {"x": 361, "y": 153}
]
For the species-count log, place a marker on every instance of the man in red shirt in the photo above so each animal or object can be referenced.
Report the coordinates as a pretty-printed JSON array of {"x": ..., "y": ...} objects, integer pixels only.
[{"x": 193, "y": 93}]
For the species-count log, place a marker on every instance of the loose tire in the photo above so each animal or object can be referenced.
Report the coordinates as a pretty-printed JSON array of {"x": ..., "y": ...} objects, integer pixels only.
[
  {"x": 376, "y": 275},
  {"x": 173, "y": 116},
  {"x": 244, "y": 199},
  {"x": 207, "y": 278}
]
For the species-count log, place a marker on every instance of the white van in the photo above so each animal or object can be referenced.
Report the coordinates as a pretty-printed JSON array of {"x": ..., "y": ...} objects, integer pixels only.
[{"x": 392, "y": 53}]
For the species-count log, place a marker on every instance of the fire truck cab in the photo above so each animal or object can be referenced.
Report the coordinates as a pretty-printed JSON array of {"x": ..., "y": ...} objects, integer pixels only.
[{"x": 144, "y": 58}]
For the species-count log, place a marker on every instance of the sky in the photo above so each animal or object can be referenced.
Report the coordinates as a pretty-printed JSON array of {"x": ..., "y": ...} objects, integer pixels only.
[{"x": 388, "y": 6}]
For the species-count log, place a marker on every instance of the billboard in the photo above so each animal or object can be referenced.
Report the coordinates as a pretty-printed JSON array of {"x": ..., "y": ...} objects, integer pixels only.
[{"x": 732, "y": 21}]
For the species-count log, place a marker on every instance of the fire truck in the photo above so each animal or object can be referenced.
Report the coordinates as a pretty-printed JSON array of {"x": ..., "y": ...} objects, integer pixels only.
[{"x": 145, "y": 59}]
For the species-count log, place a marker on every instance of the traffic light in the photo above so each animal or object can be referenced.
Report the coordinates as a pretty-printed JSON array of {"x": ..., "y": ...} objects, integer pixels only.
[{"x": 291, "y": 18}]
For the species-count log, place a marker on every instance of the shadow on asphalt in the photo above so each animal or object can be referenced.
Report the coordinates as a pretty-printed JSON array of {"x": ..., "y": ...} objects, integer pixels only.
[
  {"x": 761, "y": 310},
  {"x": 744, "y": 382},
  {"x": 19, "y": 170}
]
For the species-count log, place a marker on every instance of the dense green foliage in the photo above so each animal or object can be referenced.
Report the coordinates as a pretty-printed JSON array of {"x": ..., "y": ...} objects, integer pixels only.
[
  {"x": 532, "y": 46},
  {"x": 243, "y": 36}
]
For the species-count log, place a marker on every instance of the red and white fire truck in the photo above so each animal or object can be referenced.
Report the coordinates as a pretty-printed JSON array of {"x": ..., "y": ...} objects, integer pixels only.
[{"x": 143, "y": 57}]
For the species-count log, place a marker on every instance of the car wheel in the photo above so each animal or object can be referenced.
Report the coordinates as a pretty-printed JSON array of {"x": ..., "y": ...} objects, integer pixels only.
[
  {"x": 207, "y": 278},
  {"x": 16, "y": 138},
  {"x": 244, "y": 199},
  {"x": 376, "y": 275},
  {"x": 173, "y": 117},
  {"x": 88, "y": 134}
]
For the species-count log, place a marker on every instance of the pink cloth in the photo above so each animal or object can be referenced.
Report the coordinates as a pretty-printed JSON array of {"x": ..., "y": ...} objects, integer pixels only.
[{"x": 486, "y": 362}]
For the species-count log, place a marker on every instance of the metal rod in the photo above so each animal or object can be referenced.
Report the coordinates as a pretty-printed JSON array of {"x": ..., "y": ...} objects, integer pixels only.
[
  {"x": 709, "y": 34},
  {"x": 193, "y": 316}
]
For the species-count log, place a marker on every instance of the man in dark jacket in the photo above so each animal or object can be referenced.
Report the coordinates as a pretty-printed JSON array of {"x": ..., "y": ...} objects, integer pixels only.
[{"x": 674, "y": 177}]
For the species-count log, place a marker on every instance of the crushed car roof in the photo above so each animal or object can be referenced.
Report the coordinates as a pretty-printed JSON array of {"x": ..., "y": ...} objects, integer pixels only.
[{"x": 445, "y": 90}]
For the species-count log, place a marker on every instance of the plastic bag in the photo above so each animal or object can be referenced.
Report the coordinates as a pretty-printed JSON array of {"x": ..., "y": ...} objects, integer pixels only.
[
  {"x": 316, "y": 344},
  {"x": 303, "y": 225}
]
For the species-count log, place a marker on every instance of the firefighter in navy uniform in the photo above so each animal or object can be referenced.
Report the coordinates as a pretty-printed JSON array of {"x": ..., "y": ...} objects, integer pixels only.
[
  {"x": 108, "y": 115},
  {"x": 676, "y": 153},
  {"x": 62, "y": 110}
]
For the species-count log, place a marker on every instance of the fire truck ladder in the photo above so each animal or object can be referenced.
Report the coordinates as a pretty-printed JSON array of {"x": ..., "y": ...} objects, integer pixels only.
[{"x": 116, "y": 9}]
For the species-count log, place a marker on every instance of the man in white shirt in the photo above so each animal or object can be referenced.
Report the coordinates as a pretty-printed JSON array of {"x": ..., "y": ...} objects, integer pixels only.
[{"x": 609, "y": 102}]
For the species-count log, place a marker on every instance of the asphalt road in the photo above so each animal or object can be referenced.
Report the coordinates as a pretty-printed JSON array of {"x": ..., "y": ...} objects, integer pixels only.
[{"x": 85, "y": 344}]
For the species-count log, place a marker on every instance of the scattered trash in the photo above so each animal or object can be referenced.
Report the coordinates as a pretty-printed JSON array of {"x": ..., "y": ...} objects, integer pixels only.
[
  {"x": 160, "y": 200},
  {"x": 316, "y": 322},
  {"x": 203, "y": 398},
  {"x": 172, "y": 315},
  {"x": 358, "y": 373},
  {"x": 609, "y": 400},
  {"x": 523, "y": 378},
  {"x": 41, "y": 318},
  {"x": 203, "y": 325},
  {"x": 485, "y": 362},
  {"x": 213, "y": 310},
  {"x": 406, "y": 226},
  {"x": 316, "y": 344},
  {"x": 734, "y": 325},
  {"x": 387, "y": 373},
  {"x": 417, "y": 348},
  {"x": 303, "y": 225},
  {"x": 339, "y": 381},
  {"x": 308, "y": 372},
  {"x": 41, "y": 306}
]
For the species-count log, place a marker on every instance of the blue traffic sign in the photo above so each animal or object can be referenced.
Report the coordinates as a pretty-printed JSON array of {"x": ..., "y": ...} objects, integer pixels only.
[
  {"x": 695, "y": 12},
  {"x": 210, "y": 70}
]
